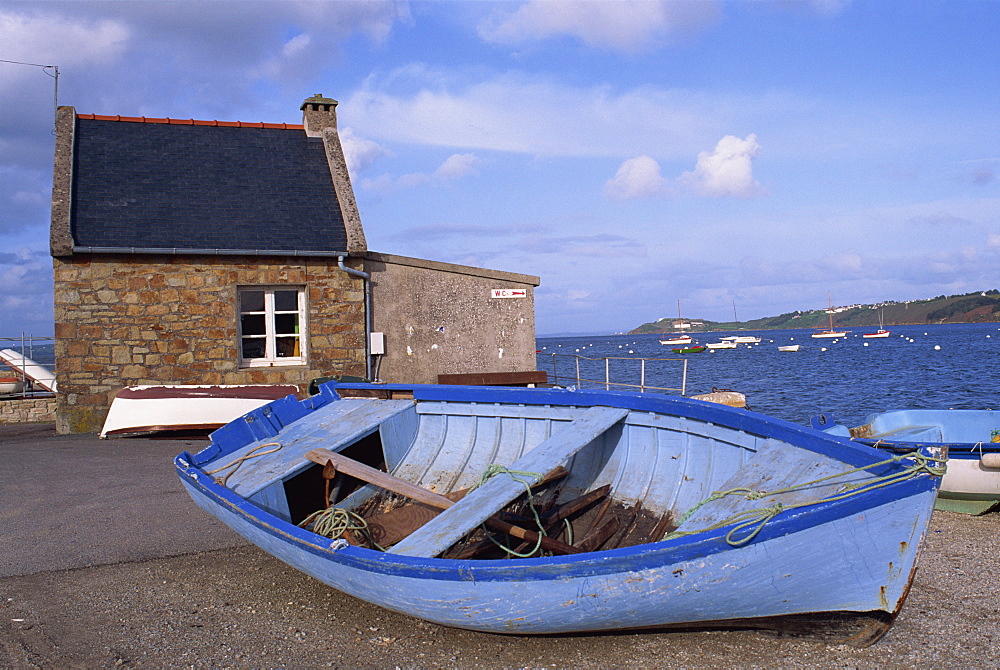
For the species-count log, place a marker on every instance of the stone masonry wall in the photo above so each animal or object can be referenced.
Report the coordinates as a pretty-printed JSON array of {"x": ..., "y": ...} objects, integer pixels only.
[
  {"x": 27, "y": 410},
  {"x": 125, "y": 320}
]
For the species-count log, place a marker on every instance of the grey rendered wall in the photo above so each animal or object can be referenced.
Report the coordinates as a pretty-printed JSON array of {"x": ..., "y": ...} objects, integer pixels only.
[{"x": 440, "y": 318}]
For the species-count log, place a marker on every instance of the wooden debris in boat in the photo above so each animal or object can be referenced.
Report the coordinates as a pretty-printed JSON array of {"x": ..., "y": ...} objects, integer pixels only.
[
  {"x": 593, "y": 540},
  {"x": 401, "y": 486},
  {"x": 389, "y": 527}
]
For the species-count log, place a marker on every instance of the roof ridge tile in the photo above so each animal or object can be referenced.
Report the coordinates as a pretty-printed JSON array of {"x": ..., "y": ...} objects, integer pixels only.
[{"x": 192, "y": 122}]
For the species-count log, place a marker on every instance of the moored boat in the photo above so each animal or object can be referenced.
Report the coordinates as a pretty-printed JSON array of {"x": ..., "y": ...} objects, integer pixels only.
[
  {"x": 725, "y": 344},
  {"x": 677, "y": 339},
  {"x": 829, "y": 332},
  {"x": 789, "y": 347},
  {"x": 684, "y": 513},
  {"x": 972, "y": 437},
  {"x": 741, "y": 339},
  {"x": 880, "y": 333},
  {"x": 689, "y": 350}
]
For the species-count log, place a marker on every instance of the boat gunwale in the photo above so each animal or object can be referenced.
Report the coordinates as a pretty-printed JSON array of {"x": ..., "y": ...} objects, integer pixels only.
[{"x": 818, "y": 441}]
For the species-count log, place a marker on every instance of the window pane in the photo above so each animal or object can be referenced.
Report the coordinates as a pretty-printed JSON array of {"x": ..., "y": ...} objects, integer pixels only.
[
  {"x": 251, "y": 301},
  {"x": 287, "y": 346},
  {"x": 253, "y": 347},
  {"x": 286, "y": 301},
  {"x": 252, "y": 324},
  {"x": 286, "y": 324}
]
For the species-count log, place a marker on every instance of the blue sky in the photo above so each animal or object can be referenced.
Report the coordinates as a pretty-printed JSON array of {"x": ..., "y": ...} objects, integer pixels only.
[{"x": 761, "y": 153}]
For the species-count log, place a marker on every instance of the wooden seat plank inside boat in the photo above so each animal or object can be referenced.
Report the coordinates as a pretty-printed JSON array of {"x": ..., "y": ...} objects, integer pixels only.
[
  {"x": 332, "y": 426},
  {"x": 474, "y": 509}
]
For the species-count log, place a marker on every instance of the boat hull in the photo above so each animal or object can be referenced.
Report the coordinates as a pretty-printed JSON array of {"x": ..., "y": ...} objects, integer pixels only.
[
  {"x": 851, "y": 554},
  {"x": 655, "y": 586}
]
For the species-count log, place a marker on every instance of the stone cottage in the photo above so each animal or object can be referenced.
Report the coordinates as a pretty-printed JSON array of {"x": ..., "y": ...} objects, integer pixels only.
[{"x": 214, "y": 252}]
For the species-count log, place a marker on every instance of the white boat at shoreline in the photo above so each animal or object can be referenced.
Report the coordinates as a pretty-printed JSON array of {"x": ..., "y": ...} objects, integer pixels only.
[{"x": 29, "y": 369}]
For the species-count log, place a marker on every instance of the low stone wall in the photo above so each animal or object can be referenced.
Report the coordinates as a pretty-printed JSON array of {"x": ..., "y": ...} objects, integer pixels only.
[{"x": 27, "y": 410}]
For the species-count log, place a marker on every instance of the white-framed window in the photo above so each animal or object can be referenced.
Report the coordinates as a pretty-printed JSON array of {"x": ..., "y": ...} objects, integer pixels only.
[{"x": 272, "y": 325}]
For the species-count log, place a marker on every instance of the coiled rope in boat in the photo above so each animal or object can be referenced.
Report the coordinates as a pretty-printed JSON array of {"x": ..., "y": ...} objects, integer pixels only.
[
  {"x": 755, "y": 519},
  {"x": 333, "y": 522}
]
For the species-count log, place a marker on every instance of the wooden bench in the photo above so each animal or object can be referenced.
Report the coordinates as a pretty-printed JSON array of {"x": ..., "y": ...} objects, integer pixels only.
[{"x": 524, "y": 378}]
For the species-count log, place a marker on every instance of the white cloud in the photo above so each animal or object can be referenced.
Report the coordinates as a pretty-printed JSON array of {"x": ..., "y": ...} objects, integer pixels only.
[
  {"x": 620, "y": 26},
  {"x": 548, "y": 119},
  {"x": 726, "y": 171},
  {"x": 455, "y": 167},
  {"x": 360, "y": 152},
  {"x": 295, "y": 46},
  {"x": 637, "y": 177},
  {"x": 49, "y": 39},
  {"x": 993, "y": 241}
]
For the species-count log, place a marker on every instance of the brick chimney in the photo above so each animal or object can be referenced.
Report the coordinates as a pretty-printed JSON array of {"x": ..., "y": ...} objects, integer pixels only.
[{"x": 319, "y": 113}]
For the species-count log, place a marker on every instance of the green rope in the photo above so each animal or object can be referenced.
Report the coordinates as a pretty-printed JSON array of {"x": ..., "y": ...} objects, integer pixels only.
[
  {"x": 528, "y": 479},
  {"x": 335, "y": 521},
  {"x": 755, "y": 519}
]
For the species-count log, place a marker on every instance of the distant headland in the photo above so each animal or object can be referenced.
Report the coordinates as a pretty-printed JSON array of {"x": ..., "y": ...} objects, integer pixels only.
[{"x": 977, "y": 307}]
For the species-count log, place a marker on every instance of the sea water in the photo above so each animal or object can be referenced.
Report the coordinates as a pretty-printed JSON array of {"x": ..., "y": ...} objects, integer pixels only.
[{"x": 926, "y": 367}]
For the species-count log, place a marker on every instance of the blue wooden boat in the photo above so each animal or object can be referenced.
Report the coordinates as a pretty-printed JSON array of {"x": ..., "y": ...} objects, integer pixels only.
[
  {"x": 972, "y": 439},
  {"x": 725, "y": 518}
]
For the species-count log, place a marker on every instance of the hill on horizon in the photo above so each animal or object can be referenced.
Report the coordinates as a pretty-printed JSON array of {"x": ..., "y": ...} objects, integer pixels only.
[{"x": 977, "y": 307}]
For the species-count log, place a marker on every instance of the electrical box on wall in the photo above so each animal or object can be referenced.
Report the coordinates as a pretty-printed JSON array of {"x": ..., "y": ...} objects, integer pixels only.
[{"x": 376, "y": 343}]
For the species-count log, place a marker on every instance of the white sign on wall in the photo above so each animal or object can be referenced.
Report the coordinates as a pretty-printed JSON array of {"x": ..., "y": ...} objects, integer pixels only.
[{"x": 509, "y": 293}]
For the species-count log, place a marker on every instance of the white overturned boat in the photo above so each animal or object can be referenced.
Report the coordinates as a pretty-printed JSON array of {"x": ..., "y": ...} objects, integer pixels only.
[{"x": 150, "y": 409}]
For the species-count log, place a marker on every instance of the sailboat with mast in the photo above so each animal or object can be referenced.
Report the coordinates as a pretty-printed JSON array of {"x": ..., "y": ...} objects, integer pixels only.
[
  {"x": 739, "y": 339},
  {"x": 674, "y": 339},
  {"x": 881, "y": 332},
  {"x": 830, "y": 332}
]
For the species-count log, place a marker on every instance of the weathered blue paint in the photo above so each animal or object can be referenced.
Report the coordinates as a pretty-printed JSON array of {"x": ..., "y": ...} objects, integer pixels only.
[{"x": 855, "y": 554}]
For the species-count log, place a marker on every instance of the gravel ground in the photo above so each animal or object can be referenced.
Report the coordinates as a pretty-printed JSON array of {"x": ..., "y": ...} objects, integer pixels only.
[{"x": 238, "y": 607}]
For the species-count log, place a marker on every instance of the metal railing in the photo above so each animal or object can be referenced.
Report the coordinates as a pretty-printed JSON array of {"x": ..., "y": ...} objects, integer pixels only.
[{"x": 591, "y": 369}]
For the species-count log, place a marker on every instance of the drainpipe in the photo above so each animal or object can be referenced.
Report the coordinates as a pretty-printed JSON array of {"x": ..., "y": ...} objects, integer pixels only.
[{"x": 366, "y": 277}]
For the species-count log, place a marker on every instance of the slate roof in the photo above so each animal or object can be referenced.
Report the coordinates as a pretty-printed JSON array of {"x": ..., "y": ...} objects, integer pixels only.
[{"x": 202, "y": 185}]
